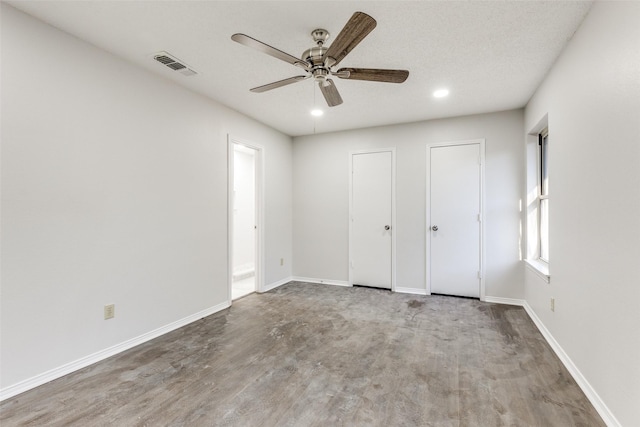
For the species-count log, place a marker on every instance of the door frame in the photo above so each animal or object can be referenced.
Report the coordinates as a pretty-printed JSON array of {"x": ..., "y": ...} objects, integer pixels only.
[
  {"x": 259, "y": 205},
  {"x": 391, "y": 150},
  {"x": 481, "y": 143}
]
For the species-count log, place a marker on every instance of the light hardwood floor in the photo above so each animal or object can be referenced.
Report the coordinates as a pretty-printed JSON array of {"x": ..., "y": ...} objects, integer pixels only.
[{"x": 319, "y": 355}]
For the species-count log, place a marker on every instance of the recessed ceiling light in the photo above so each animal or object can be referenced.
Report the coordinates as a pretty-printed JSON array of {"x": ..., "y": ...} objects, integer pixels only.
[
  {"x": 317, "y": 113},
  {"x": 441, "y": 93}
]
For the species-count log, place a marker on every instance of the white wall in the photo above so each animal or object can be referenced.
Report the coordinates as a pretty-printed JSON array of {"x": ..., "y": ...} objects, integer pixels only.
[
  {"x": 592, "y": 97},
  {"x": 321, "y": 197},
  {"x": 114, "y": 190}
]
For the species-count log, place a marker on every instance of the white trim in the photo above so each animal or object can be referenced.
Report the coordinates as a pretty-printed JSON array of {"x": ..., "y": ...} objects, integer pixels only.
[
  {"x": 276, "y": 284},
  {"x": 83, "y": 362},
  {"x": 481, "y": 143},
  {"x": 321, "y": 281},
  {"x": 607, "y": 416},
  {"x": 413, "y": 291},
  {"x": 540, "y": 268},
  {"x": 505, "y": 301},
  {"x": 391, "y": 150},
  {"x": 259, "y": 190}
]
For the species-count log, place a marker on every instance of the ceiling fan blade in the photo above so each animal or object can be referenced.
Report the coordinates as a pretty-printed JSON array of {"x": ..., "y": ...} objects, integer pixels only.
[
  {"x": 356, "y": 29},
  {"x": 373, "y": 74},
  {"x": 269, "y": 50},
  {"x": 279, "y": 83},
  {"x": 330, "y": 93}
]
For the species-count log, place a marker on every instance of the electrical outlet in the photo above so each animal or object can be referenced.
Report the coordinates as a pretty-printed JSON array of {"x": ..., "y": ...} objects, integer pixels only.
[
  {"x": 109, "y": 311},
  {"x": 552, "y": 304},
  {"x": 281, "y": 261}
]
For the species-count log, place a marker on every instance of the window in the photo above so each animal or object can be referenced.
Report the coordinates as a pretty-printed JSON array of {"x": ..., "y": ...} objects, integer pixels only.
[
  {"x": 537, "y": 199},
  {"x": 543, "y": 196}
]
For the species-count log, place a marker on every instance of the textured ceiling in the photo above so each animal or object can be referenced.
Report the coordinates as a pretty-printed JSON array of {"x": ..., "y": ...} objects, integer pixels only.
[{"x": 491, "y": 55}]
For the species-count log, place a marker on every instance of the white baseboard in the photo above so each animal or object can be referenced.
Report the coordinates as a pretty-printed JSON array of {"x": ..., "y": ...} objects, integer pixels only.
[
  {"x": 507, "y": 301},
  {"x": 321, "y": 281},
  {"x": 83, "y": 362},
  {"x": 413, "y": 291},
  {"x": 607, "y": 416},
  {"x": 274, "y": 285}
]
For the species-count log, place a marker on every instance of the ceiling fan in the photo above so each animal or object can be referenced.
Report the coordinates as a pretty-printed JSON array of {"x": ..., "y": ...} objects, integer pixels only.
[{"x": 319, "y": 61}]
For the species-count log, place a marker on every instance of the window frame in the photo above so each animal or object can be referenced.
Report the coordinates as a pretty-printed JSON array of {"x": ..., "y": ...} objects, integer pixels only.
[{"x": 543, "y": 195}]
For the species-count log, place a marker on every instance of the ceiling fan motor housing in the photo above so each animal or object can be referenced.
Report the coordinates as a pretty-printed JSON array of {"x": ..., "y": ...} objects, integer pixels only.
[{"x": 314, "y": 55}]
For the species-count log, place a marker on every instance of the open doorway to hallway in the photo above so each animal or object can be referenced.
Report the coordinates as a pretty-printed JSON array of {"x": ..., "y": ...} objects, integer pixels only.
[{"x": 244, "y": 221}]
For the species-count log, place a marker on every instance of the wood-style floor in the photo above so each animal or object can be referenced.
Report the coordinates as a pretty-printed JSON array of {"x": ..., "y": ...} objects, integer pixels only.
[{"x": 319, "y": 355}]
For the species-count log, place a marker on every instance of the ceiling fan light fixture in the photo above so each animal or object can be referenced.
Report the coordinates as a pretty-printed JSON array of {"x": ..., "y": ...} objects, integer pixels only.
[
  {"x": 441, "y": 93},
  {"x": 317, "y": 112}
]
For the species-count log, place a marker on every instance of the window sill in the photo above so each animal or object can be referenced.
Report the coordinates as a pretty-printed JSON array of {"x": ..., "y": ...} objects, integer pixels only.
[{"x": 540, "y": 268}]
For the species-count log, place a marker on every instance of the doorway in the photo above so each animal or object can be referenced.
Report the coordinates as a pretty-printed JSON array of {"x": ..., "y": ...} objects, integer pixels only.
[
  {"x": 372, "y": 218},
  {"x": 454, "y": 218},
  {"x": 244, "y": 218}
]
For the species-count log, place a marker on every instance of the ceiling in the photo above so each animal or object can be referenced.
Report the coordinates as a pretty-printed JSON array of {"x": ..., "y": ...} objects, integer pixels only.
[{"x": 491, "y": 55}]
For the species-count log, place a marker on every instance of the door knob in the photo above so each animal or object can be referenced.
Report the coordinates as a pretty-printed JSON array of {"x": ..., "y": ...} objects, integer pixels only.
[
  {"x": 386, "y": 227},
  {"x": 434, "y": 228}
]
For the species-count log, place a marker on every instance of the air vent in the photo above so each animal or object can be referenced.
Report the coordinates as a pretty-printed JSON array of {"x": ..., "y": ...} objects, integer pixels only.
[{"x": 174, "y": 63}]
